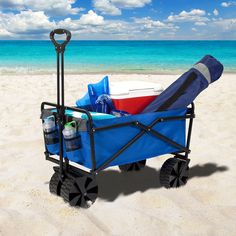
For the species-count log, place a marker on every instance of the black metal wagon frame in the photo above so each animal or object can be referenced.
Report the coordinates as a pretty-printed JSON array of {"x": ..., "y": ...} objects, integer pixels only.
[{"x": 78, "y": 185}]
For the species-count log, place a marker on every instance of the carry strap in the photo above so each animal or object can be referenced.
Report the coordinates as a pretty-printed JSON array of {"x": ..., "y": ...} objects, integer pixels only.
[{"x": 178, "y": 93}]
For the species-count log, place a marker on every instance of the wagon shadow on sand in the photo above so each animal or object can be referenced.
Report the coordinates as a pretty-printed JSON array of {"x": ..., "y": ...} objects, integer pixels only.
[{"x": 113, "y": 183}]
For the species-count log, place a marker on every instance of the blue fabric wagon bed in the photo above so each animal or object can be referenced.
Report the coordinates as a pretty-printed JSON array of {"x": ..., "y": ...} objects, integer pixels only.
[{"x": 110, "y": 137}]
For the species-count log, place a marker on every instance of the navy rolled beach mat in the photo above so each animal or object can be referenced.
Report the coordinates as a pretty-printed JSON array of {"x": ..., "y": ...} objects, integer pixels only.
[{"x": 187, "y": 87}]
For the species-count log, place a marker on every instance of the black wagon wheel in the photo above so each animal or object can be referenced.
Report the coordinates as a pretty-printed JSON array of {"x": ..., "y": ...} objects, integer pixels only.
[
  {"x": 55, "y": 184},
  {"x": 81, "y": 191},
  {"x": 174, "y": 173},
  {"x": 135, "y": 166}
]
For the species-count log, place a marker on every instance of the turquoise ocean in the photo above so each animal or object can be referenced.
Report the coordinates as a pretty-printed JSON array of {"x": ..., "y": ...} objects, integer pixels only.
[{"x": 39, "y": 57}]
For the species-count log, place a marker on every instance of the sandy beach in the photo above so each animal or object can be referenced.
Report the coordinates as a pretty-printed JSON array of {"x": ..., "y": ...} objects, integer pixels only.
[{"x": 128, "y": 204}]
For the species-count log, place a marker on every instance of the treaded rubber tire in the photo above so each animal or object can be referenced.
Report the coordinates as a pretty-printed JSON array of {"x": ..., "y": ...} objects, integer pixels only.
[
  {"x": 166, "y": 173},
  {"x": 55, "y": 184},
  {"x": 67, "y": 184},
  {"x": 81, "y": 191}
]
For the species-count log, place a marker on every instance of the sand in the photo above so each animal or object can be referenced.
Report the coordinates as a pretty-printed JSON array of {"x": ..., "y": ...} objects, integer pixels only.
[{"x": 133, "y": 204}]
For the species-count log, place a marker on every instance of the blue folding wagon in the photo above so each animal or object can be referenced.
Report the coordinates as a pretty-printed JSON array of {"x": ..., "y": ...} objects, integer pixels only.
[{"x": 99, "y": 143}]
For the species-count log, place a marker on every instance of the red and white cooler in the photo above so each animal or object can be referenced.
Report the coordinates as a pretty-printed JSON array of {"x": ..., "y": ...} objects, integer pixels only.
[{"x": 133, "y": 96}]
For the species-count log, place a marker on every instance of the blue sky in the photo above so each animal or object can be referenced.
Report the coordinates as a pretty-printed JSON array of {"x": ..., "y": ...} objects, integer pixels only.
[{"x": 119, "y": 19}]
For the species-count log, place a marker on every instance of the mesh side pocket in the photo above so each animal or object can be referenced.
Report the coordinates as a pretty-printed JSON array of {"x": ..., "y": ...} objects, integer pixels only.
[
  {"x": 52, "y": 141},
  {"x": 73, "y": 143},
  {"x": 73, "y": 147},
  {"x": 51, "y": 137}
]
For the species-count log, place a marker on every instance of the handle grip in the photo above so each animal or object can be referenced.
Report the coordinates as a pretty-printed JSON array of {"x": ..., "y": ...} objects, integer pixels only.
[{"x": 60, "y": 32}]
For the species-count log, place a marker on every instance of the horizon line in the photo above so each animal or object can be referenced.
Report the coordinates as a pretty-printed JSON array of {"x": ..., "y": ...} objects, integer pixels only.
[{"x": 122, "y": 40}]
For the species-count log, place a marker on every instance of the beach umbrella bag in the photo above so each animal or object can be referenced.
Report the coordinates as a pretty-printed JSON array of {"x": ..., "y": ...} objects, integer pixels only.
[{"x": 82, "y": 140}]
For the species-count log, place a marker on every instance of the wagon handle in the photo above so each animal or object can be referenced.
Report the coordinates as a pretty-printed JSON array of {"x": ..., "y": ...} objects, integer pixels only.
[{"x": 60, "y": 46}]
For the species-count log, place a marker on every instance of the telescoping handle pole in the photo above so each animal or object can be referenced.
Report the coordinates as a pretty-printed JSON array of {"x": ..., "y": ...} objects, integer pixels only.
[{"x": 60, "y": 49}]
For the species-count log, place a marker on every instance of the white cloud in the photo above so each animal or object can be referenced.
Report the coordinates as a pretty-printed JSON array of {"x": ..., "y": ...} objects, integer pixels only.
[
  {"x": 130, "y": 3},
  {"x": 201, "y": 23},
  {"x": 4, "y": 33},
  {"x": 106, "y": 7},
  {"x": 225, "y": 24},
  {"x": 138, "y": 28},
  {"x": 225, "y": 4},
  {"x": 228, "y": 4},
  {"x": 51, "y": 7},
  {"x": 91, "y": 18},
  {"x": 113, "y": 7},
  {"x": 216, "y": 12},
  {"x": 37, "y": 25},
  {"x": 11, "y": 4},
  {"x": 89, "y": 22},
  {"x": 149, "y": 23},
  {"x": 109, "y": 29},
  {"x": 26, "y": 22},
  {"x": 193, "y": 15}
]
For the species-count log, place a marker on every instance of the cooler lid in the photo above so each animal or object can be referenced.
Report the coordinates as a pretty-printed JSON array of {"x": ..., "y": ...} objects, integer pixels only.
[{"x": 139, "y": 88}]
